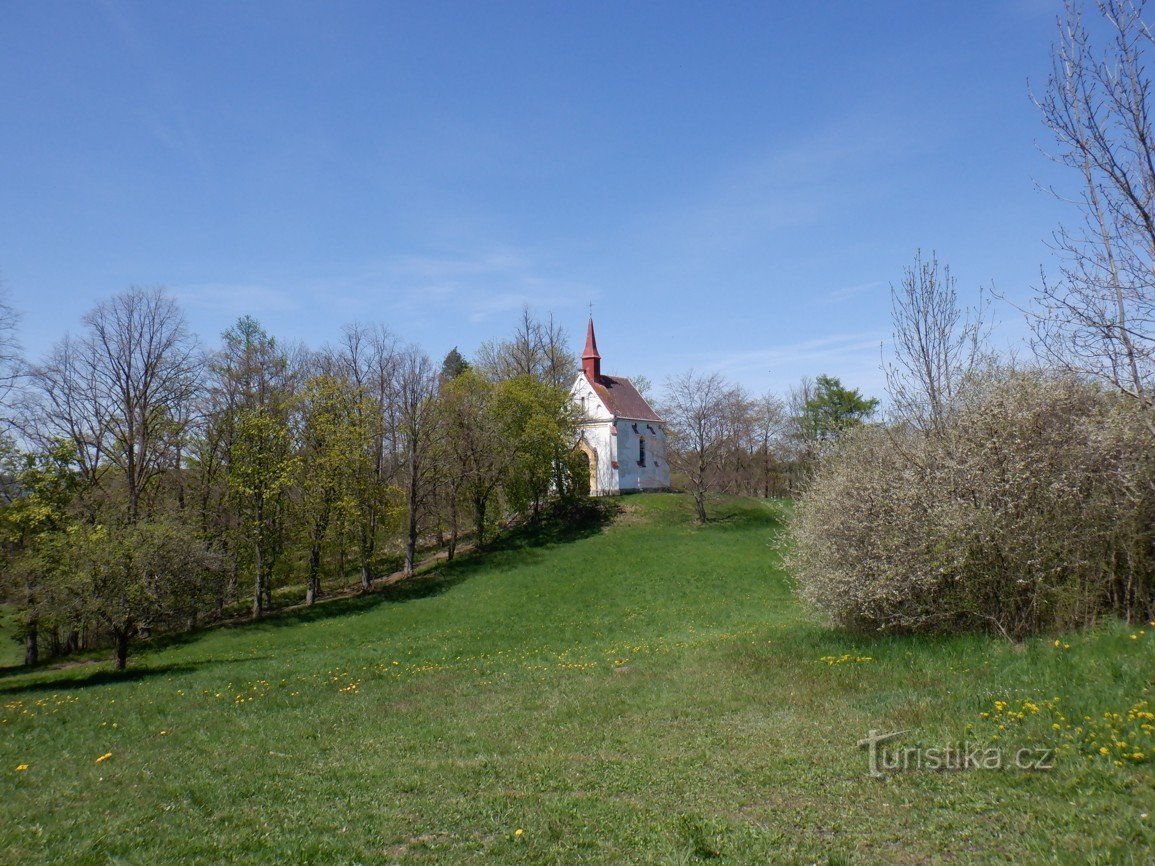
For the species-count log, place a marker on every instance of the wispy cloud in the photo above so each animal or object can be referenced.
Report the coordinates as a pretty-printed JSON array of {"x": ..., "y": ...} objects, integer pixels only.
[
  {"x": 855, "y": 358},
  {"x": 808, "y": 353},
  {"x": 164, "y": 116},
  {"x": 483, "y": 284},
  {"x": 499, "y": 261},
  {"x": 237, "y": 299},
  {"x": 851, "y": 291},
  {"x": 800, "y": 180}
]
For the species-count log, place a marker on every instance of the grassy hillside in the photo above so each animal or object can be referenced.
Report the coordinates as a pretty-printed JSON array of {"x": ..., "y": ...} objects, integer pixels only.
[{"x": 648, "y": 693}]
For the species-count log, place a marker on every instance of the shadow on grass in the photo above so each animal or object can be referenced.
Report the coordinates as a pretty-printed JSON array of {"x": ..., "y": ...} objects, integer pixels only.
[
  {"x": 744, "y": 514},
  {"x": 561, "y": 523},
  {"x": 103, "y": 676}
]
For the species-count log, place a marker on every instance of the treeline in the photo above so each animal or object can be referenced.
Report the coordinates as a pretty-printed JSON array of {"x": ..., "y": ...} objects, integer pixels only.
[
  {"x": 724, "y": 440},
  {"x": 153, "y": 483}
]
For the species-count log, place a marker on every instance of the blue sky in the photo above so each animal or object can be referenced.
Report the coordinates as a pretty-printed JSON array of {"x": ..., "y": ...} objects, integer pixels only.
[{"x": 732, "y": 185}]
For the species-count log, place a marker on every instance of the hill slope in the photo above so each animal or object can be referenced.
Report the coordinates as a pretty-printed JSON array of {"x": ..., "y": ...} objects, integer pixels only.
[{"x": 647, "y": 693}]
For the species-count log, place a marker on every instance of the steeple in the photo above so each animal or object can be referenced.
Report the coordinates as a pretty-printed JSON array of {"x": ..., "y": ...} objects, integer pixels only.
[{"x": 591, "y": 360}]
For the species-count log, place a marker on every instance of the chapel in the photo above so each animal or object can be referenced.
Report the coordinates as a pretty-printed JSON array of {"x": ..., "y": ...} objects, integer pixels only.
[{"x": 621, "y": 436}]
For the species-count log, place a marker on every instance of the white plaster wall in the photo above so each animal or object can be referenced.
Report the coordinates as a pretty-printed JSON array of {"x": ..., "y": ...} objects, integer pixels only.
[{"x": 655, "y": 475}]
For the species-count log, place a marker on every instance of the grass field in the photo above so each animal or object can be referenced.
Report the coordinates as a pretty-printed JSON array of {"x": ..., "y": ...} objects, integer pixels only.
[{"x": 647, "y": 693}]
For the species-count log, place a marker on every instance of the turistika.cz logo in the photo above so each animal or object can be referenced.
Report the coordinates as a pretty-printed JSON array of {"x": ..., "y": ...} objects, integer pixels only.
[{"x": 964, "y": 755}]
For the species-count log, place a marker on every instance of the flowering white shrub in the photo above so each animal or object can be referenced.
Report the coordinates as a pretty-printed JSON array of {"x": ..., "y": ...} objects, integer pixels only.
[{"x": 1031, "y": 510}]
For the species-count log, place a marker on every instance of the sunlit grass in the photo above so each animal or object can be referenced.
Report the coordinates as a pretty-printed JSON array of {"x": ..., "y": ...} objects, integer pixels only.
[{"x": 647, "y": 693}]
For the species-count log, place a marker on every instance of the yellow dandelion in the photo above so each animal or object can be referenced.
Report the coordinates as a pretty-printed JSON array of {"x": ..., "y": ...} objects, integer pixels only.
[
  {"x": 20, "y": 768},
  {"x": 518, "y": 832},
  {"x": 104, "y": 757},
  {"x": 1103, "y": 750}
]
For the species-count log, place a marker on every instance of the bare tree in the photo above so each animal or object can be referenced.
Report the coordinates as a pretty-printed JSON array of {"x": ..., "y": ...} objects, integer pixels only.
[
  {"x": 120, "y": 392},
  {"x": 11, "y": 365},
  {"x": 936, "y": 343},
  {"x": 697, "y": 412},
  {"x": 538, "y": 349},
  {"x": 1098, "y": 317},
  {"x": 417, "y": 428},
  {"x": 769, "y": 426}
]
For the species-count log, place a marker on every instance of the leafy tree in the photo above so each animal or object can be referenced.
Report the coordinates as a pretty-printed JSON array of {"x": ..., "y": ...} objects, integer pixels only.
[
  {"x": 472, "y": 452},
  {"x": 334, "y": 464},
  {"x": 833, "y": 409},
  {"x": 127, "y": 576},
  {"x": 262, "y": 468},
  {"x": 538, "y": 428},
  {"x": 453, "y": 365},
  {"x": 39, "y": 494},
  {"x": 241, "y": 459},
  {"x": 367, "y": 360}
]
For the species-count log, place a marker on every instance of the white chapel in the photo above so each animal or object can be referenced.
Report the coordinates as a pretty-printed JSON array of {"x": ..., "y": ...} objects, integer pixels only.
[{"x": 622, "y": 437}]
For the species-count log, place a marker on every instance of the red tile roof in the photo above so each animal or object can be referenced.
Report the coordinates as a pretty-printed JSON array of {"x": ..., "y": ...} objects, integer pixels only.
[{"x": 622, "y": 398}]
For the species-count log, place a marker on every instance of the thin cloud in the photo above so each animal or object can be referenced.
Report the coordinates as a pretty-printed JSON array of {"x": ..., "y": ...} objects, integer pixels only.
[
  {"x": 237, "y": 298},
  {"x": 808, "y": 353},
  {"x": 851, "y": 291},
  {"x": 482, "y": 284}
]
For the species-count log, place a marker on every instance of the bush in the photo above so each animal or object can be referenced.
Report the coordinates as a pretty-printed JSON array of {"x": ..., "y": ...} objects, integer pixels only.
[{"x": 1031, "y": 511}]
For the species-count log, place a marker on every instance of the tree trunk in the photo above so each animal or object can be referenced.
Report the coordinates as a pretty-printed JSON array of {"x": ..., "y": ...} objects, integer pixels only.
[
  {"x": 479, "y": 514},
  {"x": 366, "y": 576},
  {"x": 411, "y": 536},
  {"x": 700, "y": 505},
  {"x": 313, "y": 589},
  {"x": 451, "y": 548},
  {"x": 122, "y": 637},
  {"x": 259, "y": 587},
  {"x": 31, "y": 647}
]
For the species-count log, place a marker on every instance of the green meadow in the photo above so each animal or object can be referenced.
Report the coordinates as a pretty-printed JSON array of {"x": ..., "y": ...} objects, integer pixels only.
[{"x": 631, "y": 690}]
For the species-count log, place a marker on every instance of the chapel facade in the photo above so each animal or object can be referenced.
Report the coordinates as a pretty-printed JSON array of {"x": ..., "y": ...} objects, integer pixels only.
[{"x": 622, "y": 438}]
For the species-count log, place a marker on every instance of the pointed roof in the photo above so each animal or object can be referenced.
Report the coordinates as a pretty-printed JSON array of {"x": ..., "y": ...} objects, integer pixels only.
[
  {"x": 591, "y": 360},
  {"x": 591, "y": 350}
]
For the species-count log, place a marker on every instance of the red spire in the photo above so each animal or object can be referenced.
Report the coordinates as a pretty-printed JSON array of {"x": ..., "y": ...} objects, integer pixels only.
[{"x": 591, "y": 360}]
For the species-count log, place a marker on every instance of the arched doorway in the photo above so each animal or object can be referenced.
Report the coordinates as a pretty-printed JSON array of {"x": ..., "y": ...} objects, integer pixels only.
[{"x": 589, "y": 459}]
